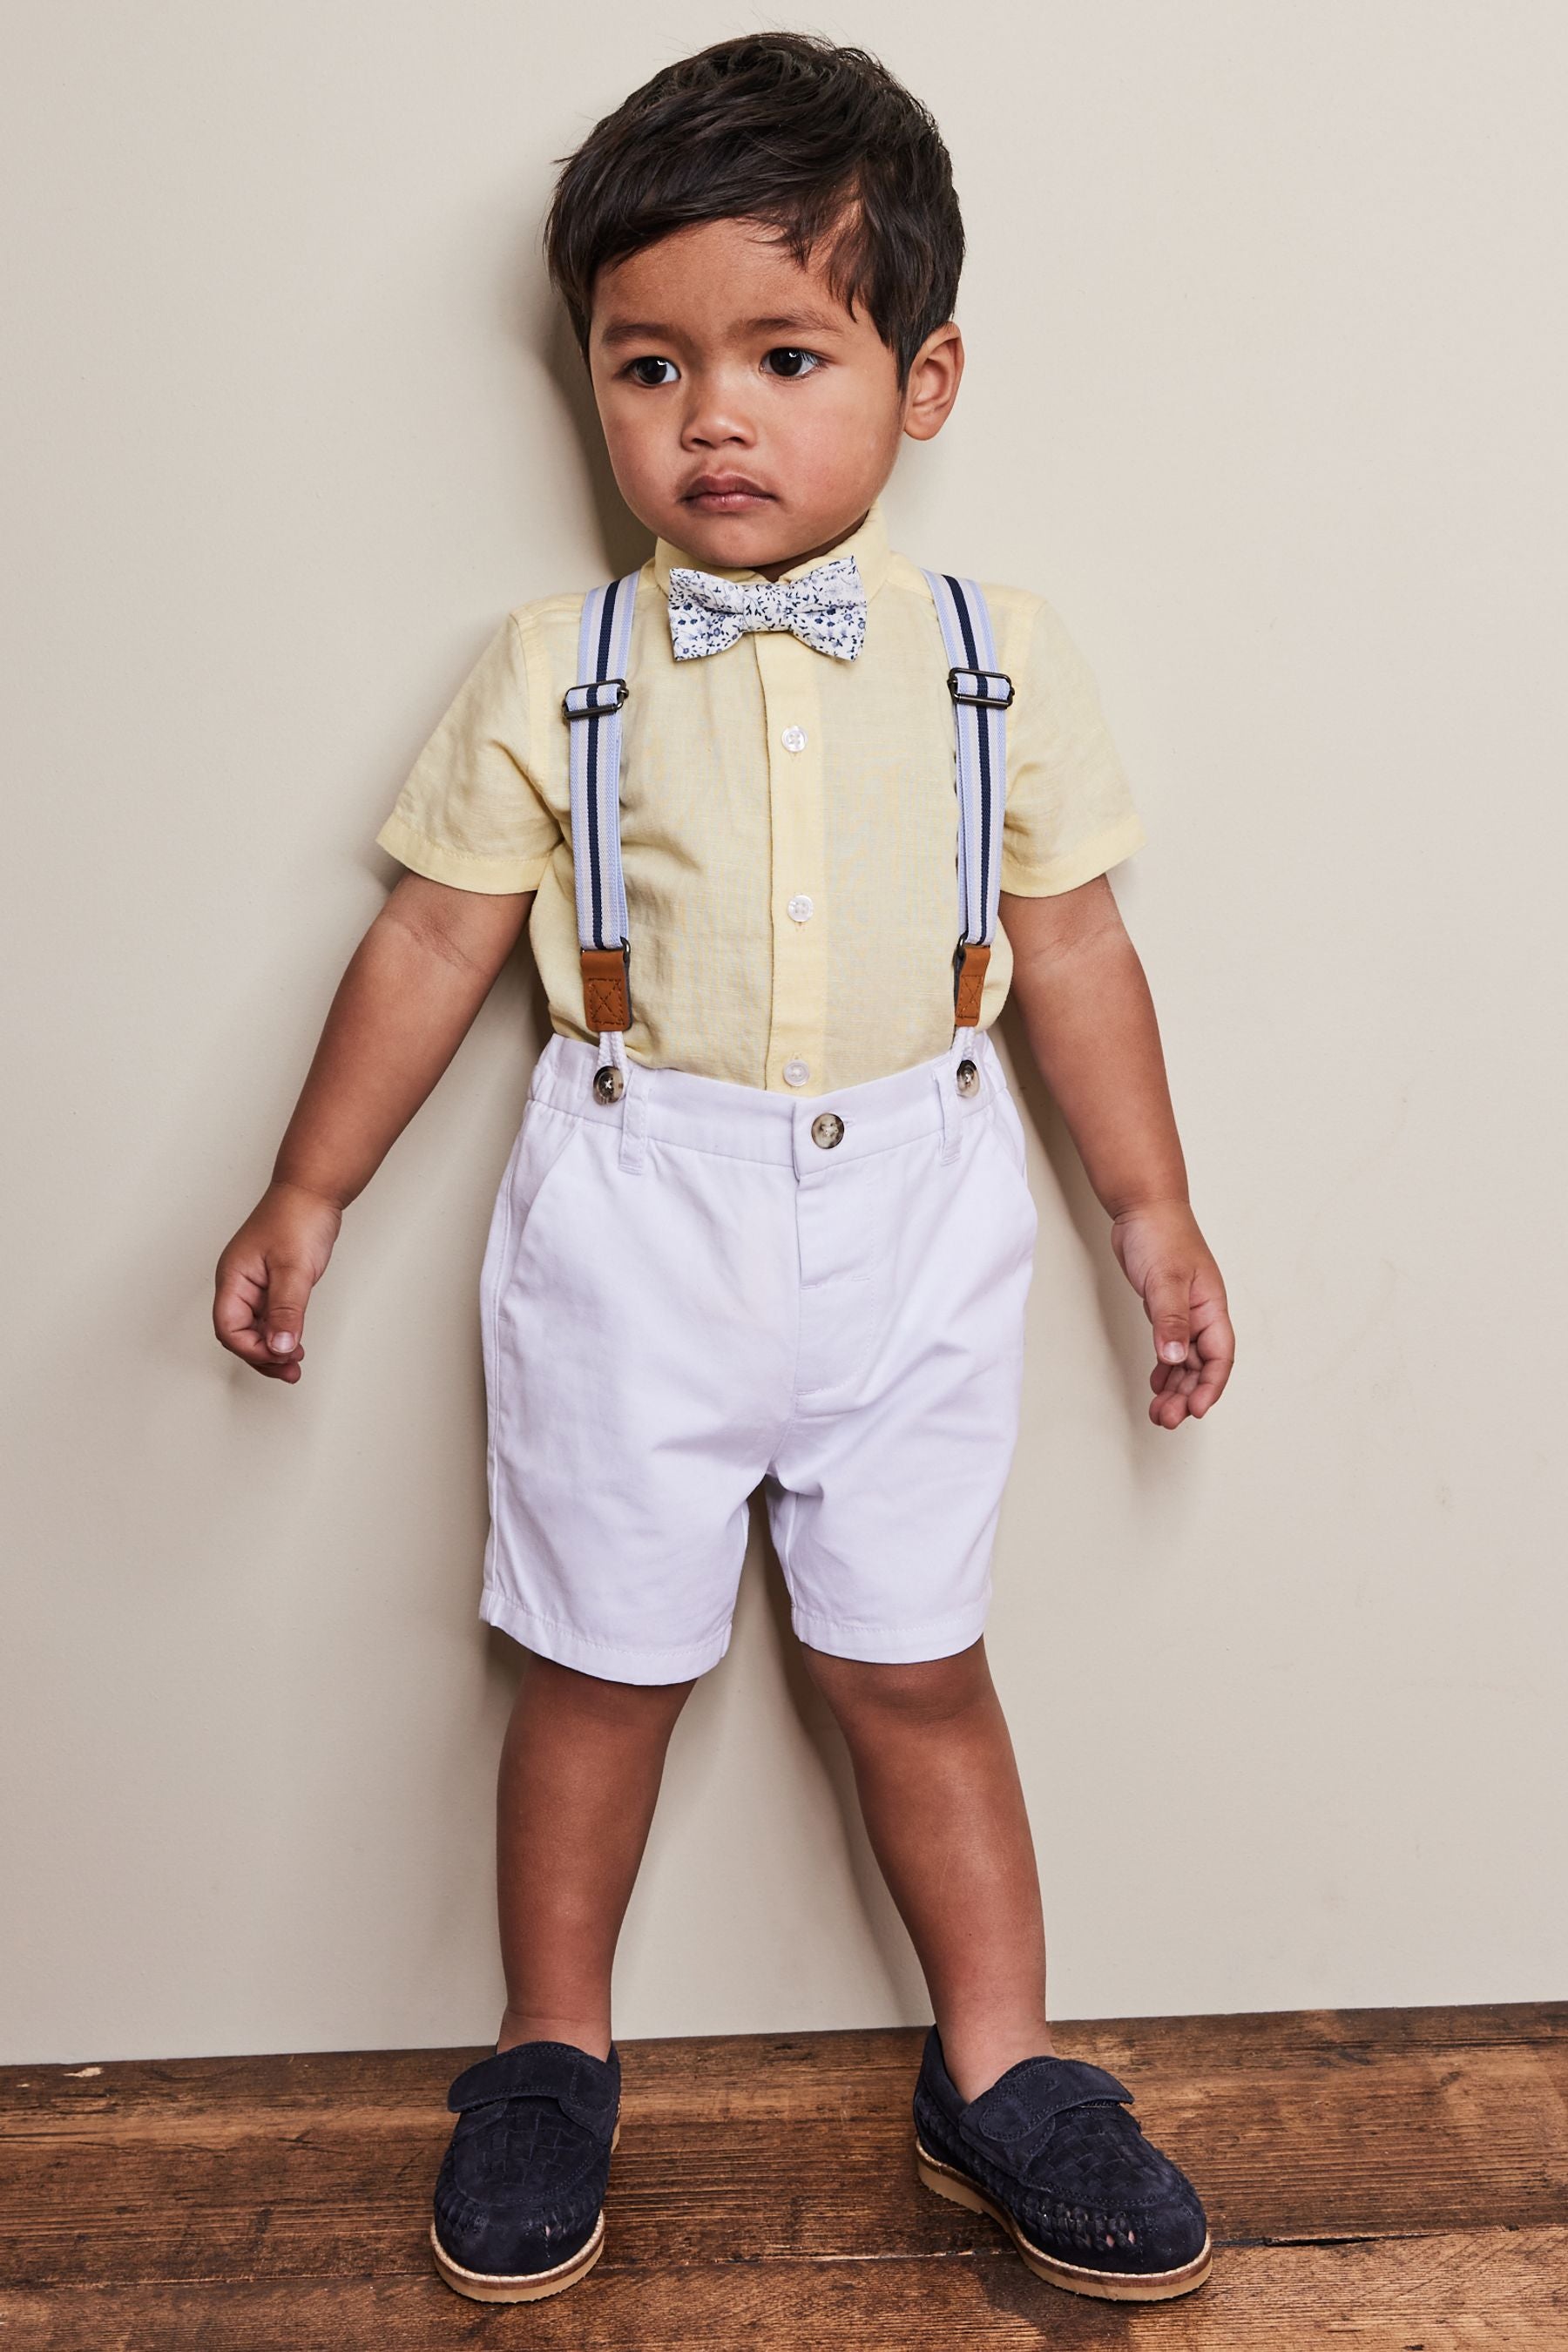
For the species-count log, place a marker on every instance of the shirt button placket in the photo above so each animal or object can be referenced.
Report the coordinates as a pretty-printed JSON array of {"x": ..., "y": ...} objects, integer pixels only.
[{"x": 789, "y": 675}]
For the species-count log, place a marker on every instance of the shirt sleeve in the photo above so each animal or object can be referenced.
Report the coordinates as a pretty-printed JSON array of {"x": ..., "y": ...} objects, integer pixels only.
[
  {"x": 472, "y": 811},
  {"x": 1070, "y": 814}
]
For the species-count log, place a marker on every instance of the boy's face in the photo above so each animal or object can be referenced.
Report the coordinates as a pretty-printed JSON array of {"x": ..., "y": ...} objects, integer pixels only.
[{"x": 750, "y": 419}]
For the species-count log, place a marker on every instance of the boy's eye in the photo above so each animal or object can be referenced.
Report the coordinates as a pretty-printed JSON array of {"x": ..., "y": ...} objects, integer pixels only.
[
  {"x": 646, "y": 371},
  {"x": 786, "y": 360}
]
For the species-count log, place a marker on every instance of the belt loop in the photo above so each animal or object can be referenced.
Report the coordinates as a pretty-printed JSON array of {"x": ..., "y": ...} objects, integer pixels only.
[
  {"x": 633, "y": 1103},
  {"x": 613, "y": 1056}
]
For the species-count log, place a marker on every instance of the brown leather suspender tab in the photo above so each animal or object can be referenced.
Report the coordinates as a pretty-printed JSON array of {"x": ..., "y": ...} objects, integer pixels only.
[
  {"x": 606, "y": 988},
  {"x": 969, "y": 969}
]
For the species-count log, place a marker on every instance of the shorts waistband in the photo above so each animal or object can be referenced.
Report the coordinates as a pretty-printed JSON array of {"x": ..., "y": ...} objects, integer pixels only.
[{"x": 814, "y": 1135}]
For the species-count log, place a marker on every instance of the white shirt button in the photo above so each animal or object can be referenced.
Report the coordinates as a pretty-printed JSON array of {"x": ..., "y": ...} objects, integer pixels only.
[
  {"x": 800, "y": 909},
  {"x": 793, "y": 739},
  {"x": 796, "y": 1073}
]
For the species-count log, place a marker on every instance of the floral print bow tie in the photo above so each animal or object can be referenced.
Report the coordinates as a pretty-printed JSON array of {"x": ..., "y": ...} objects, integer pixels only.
[{"x": 825, "y": 609}]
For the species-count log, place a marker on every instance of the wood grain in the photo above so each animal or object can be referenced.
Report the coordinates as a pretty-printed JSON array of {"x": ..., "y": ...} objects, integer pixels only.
[
  {"x": 763, "y": 2194},
  {"x": 1493, "y": 2288}
]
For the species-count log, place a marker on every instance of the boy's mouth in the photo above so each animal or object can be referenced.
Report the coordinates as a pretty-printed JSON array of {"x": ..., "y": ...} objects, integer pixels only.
[{"x": 725, "y": 494}]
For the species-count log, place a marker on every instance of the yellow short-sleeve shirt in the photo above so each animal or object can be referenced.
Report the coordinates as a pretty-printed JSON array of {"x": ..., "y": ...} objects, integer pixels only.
[{"x": 788, "y": 820}]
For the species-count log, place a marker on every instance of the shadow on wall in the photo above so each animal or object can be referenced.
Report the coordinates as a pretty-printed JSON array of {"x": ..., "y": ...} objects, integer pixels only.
[{"x": 625, "y": 541}]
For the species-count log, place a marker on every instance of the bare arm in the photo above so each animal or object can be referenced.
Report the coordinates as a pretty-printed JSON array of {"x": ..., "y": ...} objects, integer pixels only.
[
  {"x": 1091, "y": 1028},
  {"x": 403, "y": 1007}
]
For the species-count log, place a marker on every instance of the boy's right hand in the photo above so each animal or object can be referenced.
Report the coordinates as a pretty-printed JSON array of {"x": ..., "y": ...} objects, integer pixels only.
[{"x": 266, "y": 1274}]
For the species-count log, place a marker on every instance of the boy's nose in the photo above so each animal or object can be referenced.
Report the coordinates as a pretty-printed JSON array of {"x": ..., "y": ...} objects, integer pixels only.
[{"x": 714, "y": 421}]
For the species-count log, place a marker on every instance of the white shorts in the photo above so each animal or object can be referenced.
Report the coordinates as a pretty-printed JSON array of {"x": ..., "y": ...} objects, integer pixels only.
[{"x": 686, "y": 1295}]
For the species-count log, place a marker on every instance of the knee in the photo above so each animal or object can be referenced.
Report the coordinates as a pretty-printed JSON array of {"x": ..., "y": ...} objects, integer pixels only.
[{"x": 883, "y": 1700}]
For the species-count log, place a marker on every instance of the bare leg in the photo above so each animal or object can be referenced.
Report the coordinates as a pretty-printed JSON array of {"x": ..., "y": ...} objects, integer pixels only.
[
  {"x": 944, "y": 1811},
  {"x": 580, "y": 1769}
]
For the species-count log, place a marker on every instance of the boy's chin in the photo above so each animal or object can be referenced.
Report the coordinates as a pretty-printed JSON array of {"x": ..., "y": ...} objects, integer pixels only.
[
  {"x": 744, "y": 536},
  {"x": 752, "y": 539}
]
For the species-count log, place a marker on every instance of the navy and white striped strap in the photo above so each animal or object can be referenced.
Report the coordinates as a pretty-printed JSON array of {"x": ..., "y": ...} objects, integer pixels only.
[
  {"x": 592, "y": 709},
  {"x": 981, "y": 695}
]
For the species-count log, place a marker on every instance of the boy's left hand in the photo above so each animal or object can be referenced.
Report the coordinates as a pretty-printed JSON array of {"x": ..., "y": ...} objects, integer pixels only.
[{"x": 1172, "y": 1269}]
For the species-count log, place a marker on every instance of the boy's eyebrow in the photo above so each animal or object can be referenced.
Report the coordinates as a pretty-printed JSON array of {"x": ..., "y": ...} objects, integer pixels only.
[
  {"x": 653, "y": 330},
  {"x": 814, "y": 322},
  {"x": 638, "y": 330}
]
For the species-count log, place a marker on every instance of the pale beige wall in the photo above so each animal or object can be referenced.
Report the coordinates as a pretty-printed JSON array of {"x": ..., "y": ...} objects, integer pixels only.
[{"x": 1267, "y": 394}]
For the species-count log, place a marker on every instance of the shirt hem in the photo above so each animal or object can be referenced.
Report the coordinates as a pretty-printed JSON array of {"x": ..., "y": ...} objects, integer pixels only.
[
  {"x": 464, "y": 869},
  {"x": 1091, "y": 859}
]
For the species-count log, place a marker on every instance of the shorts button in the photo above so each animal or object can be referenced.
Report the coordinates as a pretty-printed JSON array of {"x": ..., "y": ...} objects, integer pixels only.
[
  {"x": 827, "y": 1130},
  {"x": 968, "y": 1078},
  {"x": 609, "y": 1085},
  {"x": 796, "y": 1073}
]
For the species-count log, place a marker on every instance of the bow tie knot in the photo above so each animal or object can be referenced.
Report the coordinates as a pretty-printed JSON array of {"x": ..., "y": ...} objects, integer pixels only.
[{"x": 825, "y": 608}]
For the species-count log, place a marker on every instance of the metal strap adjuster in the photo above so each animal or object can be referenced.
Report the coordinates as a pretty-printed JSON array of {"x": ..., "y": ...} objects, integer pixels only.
[
  {"x": 593, "y": 708},
  {"x": 990, "y": 689}
]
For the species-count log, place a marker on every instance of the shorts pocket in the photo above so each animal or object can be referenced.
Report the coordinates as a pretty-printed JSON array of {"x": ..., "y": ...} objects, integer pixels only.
[
  {"x": 543, "y": 1142},
  {"x": 547, "y": 1135},
  {"x": 1006, "y": 1133},
  {"x": 1004, "y": 1117}
]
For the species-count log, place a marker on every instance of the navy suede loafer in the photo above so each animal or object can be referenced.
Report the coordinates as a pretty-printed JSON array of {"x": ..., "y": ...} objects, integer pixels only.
[
  {"x": 1050, "y": 2152},
  {"x": 520, "y": 2193}
]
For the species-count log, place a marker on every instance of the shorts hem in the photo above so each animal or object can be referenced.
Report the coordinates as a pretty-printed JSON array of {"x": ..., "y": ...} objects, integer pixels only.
[
  {"x": 892, "y": 1646},
  {"x": 565, "y": 1646}
]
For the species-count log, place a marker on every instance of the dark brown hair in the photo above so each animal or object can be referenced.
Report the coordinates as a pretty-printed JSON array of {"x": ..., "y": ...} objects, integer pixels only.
[{"x": 818, "y": 144}]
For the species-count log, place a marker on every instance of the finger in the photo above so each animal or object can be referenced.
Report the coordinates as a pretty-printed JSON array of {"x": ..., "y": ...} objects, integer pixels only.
[
  {"x": 1216, "y": 1348},
  {"x": 287, "y": 1292},
  {"x": 1168, "y": 1376},
  {"x": 238, "y": 1292},
  {"x": 238, "y": 1317},
  {"x": 251, "y": 1349},
  {"x": 1167, "y": 1300},
  {"x": 236, "y": 1321},
  {"x": 1175, "y": 1399}
]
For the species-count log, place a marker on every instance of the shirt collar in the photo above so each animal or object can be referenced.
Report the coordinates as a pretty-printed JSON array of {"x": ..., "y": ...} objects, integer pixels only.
[{"x": 869, "y": 546}]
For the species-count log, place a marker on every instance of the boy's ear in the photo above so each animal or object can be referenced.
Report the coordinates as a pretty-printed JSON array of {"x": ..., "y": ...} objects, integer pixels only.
[{"x": 933, "y": 379}]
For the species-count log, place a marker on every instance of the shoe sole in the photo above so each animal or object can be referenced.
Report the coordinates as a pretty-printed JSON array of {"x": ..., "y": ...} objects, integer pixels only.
[
  {"x": 520, "y": 2286},
  {"x": 1108, "y": 2286}
]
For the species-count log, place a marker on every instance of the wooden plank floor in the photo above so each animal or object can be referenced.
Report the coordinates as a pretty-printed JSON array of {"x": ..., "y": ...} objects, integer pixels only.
[{"x": 1393, "y": 2179}]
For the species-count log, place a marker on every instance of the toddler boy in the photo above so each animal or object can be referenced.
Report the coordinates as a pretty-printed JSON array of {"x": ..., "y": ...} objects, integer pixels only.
[{"x": 785, "y": 816}]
